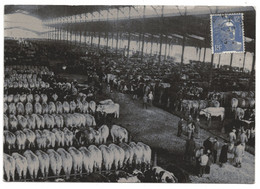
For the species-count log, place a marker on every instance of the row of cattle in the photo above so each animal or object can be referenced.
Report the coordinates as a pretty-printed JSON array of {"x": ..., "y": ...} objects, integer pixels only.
[
  {"x": 56, "y": 137},
  {"x": 91, "y": 159},
  {"x": 42, "y": 139},
  {"x": 50, "y": 108},
  {"x": 23, "y": 105},
  {"x": 47, "y": 121},
  {"x": 196, "y": 105}
]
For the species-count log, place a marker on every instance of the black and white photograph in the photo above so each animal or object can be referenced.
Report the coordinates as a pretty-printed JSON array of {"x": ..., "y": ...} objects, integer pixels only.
[{"x": 129, "y": 93}]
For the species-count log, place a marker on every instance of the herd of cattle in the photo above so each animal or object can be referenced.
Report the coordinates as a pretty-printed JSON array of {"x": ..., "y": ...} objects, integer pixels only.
[{"x": 47, "y": 137}]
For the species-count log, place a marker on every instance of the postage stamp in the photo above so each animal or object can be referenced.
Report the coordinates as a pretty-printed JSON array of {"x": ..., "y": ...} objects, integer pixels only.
[{"x": 227, "y": 33}]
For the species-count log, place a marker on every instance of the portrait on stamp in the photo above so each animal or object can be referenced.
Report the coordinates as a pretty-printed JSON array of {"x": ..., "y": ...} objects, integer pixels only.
[{"x": 227, "y": 33}]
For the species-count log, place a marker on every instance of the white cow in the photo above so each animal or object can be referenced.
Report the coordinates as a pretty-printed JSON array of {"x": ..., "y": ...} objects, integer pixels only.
[
  {"x": 213, "y": 112},
  {"x": 109, "y": 109}
]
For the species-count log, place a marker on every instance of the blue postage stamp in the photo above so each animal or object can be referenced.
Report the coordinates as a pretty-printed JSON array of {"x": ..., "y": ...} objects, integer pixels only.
[{"x": 227, "y": 33}]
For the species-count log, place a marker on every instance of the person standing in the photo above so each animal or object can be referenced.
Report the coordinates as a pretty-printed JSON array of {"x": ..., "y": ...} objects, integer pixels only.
[
  {"x": 232, "y": 139},
  {"x": 199, "y": 152},
  {"x": 145, "y": 101},
  {"x": 223, "y": 154},
  {"x": 243, "y": 139},
  {"x": 238, "y": 154},
  {"x": 197, "y": 128},
  {"x": 190, "y": 149},
  {"x": 215, "y": 150},
  {"x": 191, "y": 129},
  {"x": 150, "y": 98},
  {"x": 203, "y": 163},
  {"x": 180, "y": 123}
]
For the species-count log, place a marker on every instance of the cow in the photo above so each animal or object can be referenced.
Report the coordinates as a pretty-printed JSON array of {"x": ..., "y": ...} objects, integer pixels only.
[
  {"x": 59, "y": 122},
  {"x": 31, "y": 121},
  {"x": 147, "y": 154},
  {"x": 37, "y": 108},
  {"x": 20, "y": 108},
  {"x": 68, "y": 136},
  {"x": 39, "y": 121},
  {"x": 13, "y": 122},
  {"x": 119, "y": 133},
  {"x": 213, "y": 111},
  {"x": 12, "y": 109},
  {"x": 10, "y": 98},
  {"x": 16, "y": 98},
  {"x": 52, "y": 108},
  {"x": 45, "y": 108},
  {"x": 90, "y": 120},
  {"x": 23, "y": 98},
  {"x": 66, "y": 107},
  {"x": 138, "y": 154},
  {"x": 88, "y": 159},
  {"x": 50, "y": 138},
  {"x": 109, "y": 109},
  {"x": 44, "y": 162},
  {"x": 66, "y": 161},
  {"x": 59, "y": 135},
  {"x": 234, "y": 104},
  {"x": 44, "y": 98},
  {"x": 239, "y": 114},
  {"x": 29, "y": 98},
  {"x": 49, "y": 121},
  {"x": 103, "y": 132},
  {"x": 119, "y": 155},
  {"x": 97, "y": 156},
  {"x": 73, "y": 106},
  {"x": 20, "y": 165},
  {"x": 129, "y": 154},
  {"x": 33, "y": 163},
  {"x": 30, "y": 137},
  {"x": 40, "y": 139},
  {"x": 20, "y": 139},
  {"x": 77, "y": 160},
  {"x": 163, "y": 176},
  {"x": 107, "y": 157},
  {"x": 9, "y": 139},
  {"x": 9, "y": 167},
  {"x": 55, "y": 162},
  {"x": 28, "y": 108},
  {"x": 59, "y": 107}
]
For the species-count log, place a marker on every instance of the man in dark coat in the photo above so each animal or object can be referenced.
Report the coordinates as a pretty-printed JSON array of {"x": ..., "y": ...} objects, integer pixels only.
[
  {"x": 223, "y": 154},
  {"x": 190, "y": 149},
  {"x": 208, "y": 144}
]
